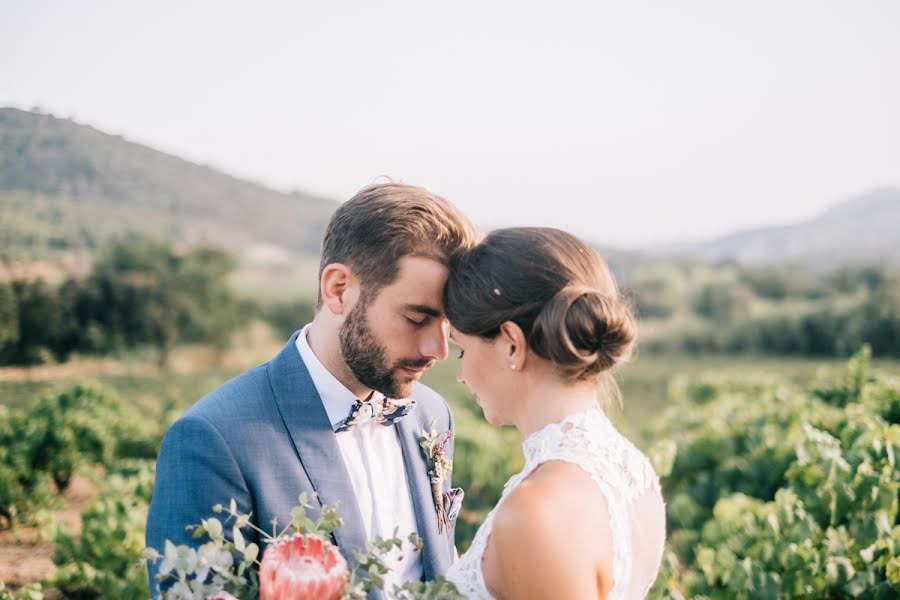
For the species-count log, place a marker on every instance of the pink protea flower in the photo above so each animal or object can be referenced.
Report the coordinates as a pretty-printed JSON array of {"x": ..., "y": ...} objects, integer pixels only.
[{"x": 302, "y": 567}]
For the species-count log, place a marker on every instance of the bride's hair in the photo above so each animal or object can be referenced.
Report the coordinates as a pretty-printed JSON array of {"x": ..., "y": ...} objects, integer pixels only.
[{"x": 552, "y": 285}]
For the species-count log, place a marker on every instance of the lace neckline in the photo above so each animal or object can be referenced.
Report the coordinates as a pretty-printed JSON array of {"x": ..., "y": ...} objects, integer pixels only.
[
  {"x": 534, "y": 441},
  {"x": 586, "y": 438}
]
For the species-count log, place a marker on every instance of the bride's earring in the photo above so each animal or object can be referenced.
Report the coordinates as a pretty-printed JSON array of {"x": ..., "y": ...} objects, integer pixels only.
[{"x": 513, "y": 367}]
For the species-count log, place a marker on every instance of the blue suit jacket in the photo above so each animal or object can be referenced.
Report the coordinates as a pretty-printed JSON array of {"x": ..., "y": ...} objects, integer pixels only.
[{"x": 264, "y": 437}]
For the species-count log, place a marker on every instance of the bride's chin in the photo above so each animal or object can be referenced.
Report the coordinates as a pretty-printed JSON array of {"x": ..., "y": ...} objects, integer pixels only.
[
  {"x": 486, "y": 413},
  {"x": 491, "y": 419}
]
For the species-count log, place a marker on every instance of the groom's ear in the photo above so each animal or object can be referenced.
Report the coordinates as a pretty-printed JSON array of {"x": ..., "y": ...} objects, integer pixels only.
[
  {"x": 339, "y": 288},
  {"x": 514, "y": 344}
]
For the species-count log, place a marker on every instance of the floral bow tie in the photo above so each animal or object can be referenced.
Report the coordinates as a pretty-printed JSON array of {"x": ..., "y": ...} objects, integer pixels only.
[{"x": 386, "y": 411}]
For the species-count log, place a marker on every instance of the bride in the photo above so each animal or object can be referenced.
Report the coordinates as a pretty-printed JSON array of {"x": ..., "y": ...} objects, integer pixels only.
[{"x": 539, "y": 324}]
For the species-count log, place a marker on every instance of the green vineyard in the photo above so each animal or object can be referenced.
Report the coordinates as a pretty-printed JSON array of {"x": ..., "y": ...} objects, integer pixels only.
[{"x": 773, "y": 490}]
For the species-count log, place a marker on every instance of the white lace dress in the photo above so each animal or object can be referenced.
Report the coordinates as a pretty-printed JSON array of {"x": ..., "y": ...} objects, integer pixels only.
[{"x": 628, "y": 483}]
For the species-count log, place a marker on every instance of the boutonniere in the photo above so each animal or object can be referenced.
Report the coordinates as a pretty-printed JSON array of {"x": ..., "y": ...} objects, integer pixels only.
[{"x": 439, "y": 467}]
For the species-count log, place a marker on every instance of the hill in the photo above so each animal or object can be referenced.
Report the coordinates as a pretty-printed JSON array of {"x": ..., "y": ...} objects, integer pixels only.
[
  {"x": 861, "y": 230},
  {"x": 67, "y": 188}
]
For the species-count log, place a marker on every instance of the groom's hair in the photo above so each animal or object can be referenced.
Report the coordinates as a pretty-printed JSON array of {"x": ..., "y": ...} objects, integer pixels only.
[{"x": 382, "y": 223}]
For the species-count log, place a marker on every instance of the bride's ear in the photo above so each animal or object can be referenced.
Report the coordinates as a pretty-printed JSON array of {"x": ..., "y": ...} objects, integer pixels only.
[{"x": 514, "y": 345}]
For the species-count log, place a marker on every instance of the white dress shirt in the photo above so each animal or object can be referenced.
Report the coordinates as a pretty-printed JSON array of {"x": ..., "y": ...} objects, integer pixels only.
[{"x": 374, "y": 460}]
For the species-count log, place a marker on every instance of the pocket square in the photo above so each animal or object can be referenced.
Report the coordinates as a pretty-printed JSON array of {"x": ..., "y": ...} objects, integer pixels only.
[{"x": 453, "y": 499}]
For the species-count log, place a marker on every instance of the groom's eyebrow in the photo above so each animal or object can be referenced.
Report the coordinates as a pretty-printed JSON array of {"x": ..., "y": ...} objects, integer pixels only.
[{"x": 424, "y": 309}]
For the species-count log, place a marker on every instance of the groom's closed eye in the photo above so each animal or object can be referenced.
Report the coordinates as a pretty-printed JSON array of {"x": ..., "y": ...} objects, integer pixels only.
[
  {"x": 424, "y": 309},
  {"x": 421, "y": 313}
]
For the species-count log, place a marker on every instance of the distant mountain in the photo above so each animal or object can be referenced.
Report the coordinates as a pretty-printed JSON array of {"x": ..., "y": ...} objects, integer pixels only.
[
  {"x": 66, "y": 187},
  {"x": 861, "y": 230}
]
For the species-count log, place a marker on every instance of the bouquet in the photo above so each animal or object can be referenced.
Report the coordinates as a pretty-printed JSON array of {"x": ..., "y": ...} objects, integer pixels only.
[{"x": 299, "y": 562}]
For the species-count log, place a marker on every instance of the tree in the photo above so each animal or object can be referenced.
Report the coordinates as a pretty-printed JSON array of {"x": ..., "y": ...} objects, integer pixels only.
[
  {"x": 44, "y": 323},
  {"x": 9, "y": 320}
]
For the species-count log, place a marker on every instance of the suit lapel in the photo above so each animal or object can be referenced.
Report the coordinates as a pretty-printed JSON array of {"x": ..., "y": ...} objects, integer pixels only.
[
  {"x": 310, "y": 429},
  {"x": 435, "y": 555}
]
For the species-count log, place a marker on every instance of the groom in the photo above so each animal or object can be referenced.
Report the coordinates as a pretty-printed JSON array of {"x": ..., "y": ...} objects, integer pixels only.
[{"x": 303, "y": 422}]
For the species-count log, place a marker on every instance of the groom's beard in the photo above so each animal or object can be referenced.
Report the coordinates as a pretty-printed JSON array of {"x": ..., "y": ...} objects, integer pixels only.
[{"x": 367, "y": 357}]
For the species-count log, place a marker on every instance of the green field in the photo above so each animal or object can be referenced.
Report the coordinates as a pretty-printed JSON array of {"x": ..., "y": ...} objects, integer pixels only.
[
  {"x": 644, "y": 382},
  {"x": 726, "y": 444}
]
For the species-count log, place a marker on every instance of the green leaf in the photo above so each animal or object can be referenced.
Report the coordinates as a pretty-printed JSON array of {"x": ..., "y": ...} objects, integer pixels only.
[
  {"x": 892, "y": 570},
  {"x": 148, "y": 554},
  {"x": 214, "y": 527},
  {"x": 251, "y": 552},
  {"x": 239, "y": 543}
]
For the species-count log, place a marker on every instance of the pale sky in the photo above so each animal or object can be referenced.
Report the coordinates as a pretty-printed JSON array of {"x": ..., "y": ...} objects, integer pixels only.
[{"x": 629, "y": 123}]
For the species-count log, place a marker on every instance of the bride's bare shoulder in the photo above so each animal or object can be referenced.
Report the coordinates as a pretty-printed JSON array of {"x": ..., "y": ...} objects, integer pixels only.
[
  {"x": 559, "y": 494},
  {"x": 550, "y": 537}
]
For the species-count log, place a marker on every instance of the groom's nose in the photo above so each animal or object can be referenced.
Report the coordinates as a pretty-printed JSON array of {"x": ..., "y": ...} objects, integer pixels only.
[{"x": 434, "y": 341}]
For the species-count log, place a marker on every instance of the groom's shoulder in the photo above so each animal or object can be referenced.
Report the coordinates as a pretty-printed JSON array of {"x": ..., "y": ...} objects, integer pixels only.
[
  {"x": 425, "y": 395},
  {"x": 431, "y": 403},
  {"x": 244, "y": 394}
]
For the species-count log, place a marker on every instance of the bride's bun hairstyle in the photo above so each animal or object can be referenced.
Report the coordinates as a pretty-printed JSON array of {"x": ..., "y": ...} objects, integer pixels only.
[{"x": 555, "y": 287}]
